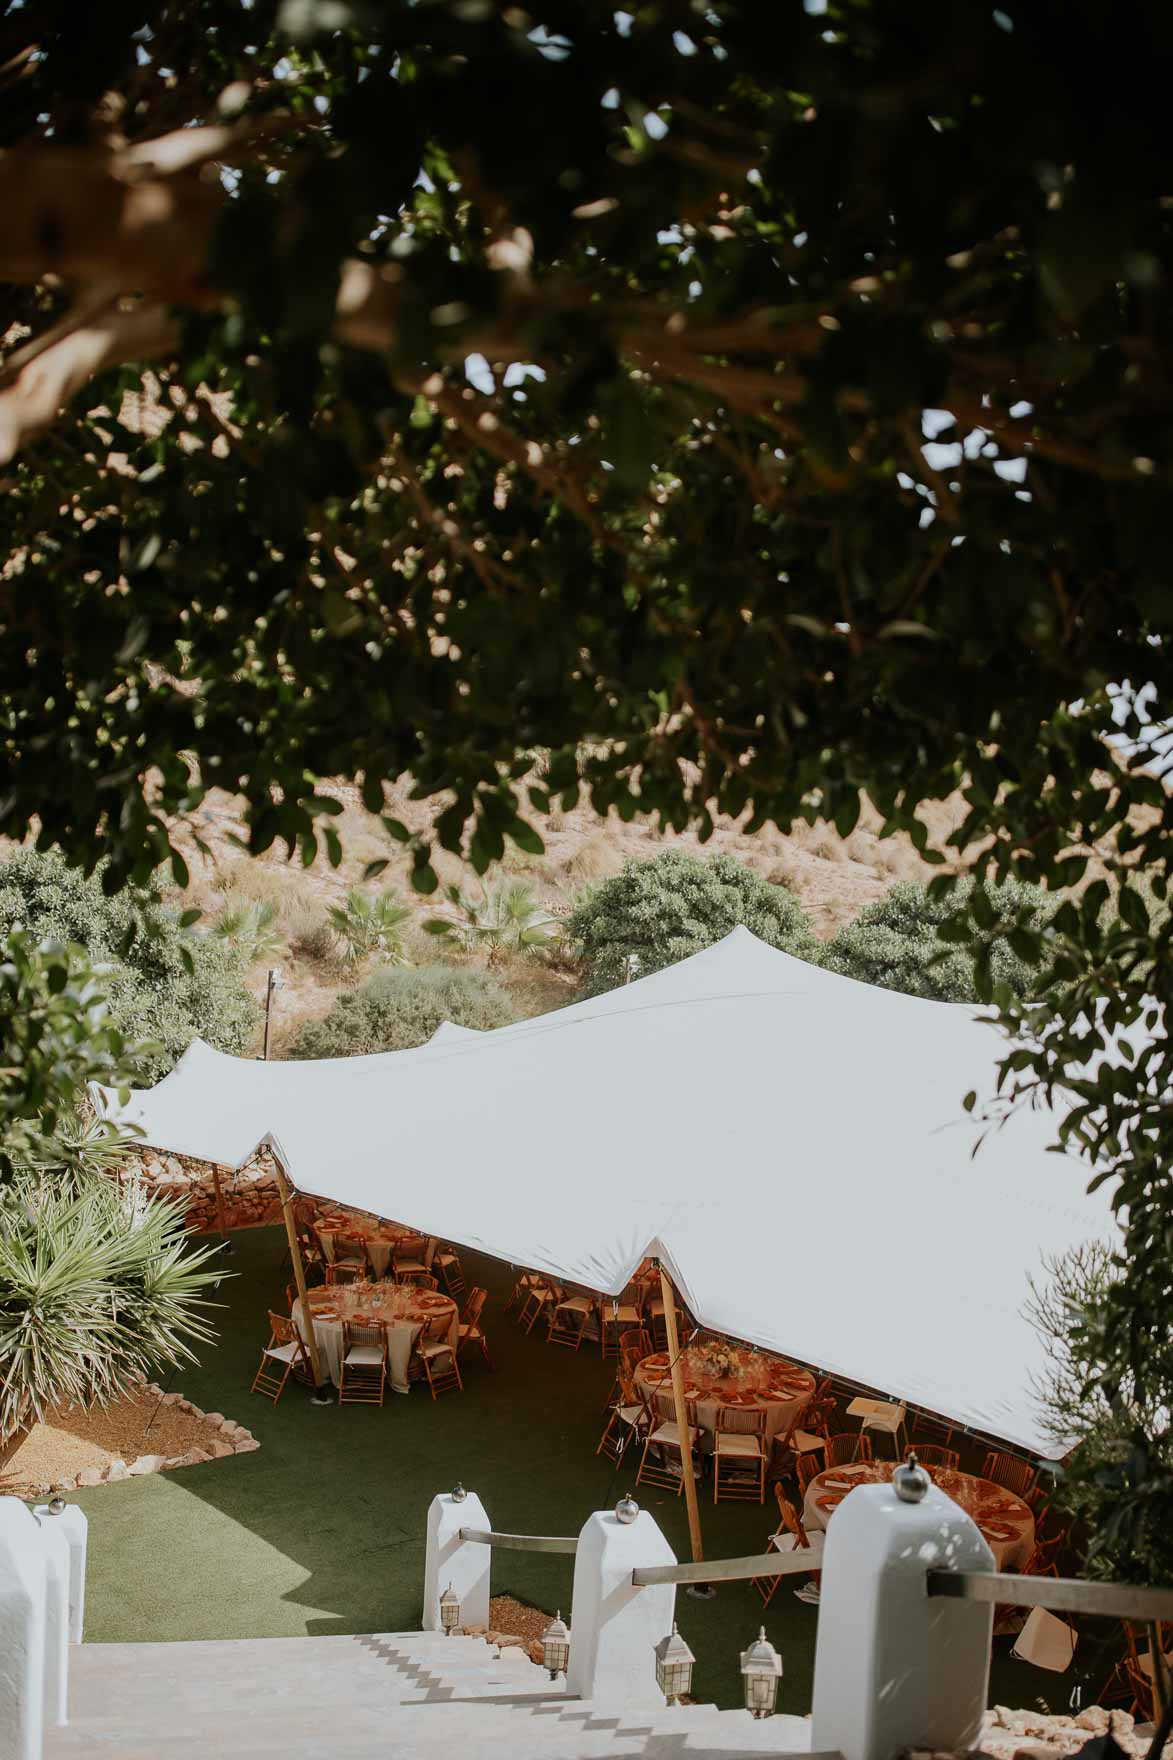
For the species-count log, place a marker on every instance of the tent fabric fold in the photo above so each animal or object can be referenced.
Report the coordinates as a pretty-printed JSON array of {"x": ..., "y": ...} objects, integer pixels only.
[{"x": 791, "y": 1142}]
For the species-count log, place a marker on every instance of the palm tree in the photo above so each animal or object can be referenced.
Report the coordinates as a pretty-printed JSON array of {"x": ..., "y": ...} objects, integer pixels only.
[
  {"x": 371, "y": 923},
  {"x": 250, "y": 927},
  {"x": 98, "y": 1289},
  {"x": 507, "y": 918}
]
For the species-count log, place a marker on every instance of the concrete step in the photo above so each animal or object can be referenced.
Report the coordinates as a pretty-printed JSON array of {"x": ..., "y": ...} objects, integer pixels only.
[{"x": 390, "y": 1695}]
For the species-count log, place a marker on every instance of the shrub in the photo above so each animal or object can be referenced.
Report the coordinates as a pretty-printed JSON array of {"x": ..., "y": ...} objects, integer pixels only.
[
  {"x": 658, "y": 911},
  {"x": 251, "y": 927},
  {"x": 396, "y": 1009},
  {"x": 140, "y": 946},
  {"x": 370, "y": 922},
  {"x": 311, "y": 936},
  {"x": 506, "y": 918},
  {"x": 895, "y": 942}
]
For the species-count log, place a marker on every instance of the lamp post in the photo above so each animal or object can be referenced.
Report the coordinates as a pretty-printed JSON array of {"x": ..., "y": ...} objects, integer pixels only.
[
  {"x": 674, "y": 1662},
  {"x": 761, "y": 1670},
  {"x": 449, "y": 1610},
  {"x": 276, "y": 982}
]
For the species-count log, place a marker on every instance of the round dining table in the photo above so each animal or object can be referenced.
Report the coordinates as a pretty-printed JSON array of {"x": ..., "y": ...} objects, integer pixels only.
[
  {"x": 1007, "y": 1523},
  {"x": 380, "y": 1238},
  {"x": 755, "y": 1380},
  {"x": 404, "y": 1310}
]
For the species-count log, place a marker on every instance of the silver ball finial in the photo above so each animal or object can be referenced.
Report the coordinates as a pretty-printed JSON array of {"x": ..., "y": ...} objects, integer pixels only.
[
  {"x": 458, "y": 1492},
  {"x": 626, "y": 1510},
  {"x": 56, "y": 1505},
  {"x": 910, "y": 1482}
]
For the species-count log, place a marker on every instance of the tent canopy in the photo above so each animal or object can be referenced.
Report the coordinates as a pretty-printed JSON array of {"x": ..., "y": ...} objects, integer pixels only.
[{"x": 792, "y": 1143}]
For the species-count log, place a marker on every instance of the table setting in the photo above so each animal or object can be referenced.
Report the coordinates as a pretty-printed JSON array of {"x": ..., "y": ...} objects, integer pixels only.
[
  {"x": 717, "y": 1374},
  {"x": 381, "y": 1239},
  {"x": 403, "y": 1309},
  {"x": 1006, "y": 1522}
]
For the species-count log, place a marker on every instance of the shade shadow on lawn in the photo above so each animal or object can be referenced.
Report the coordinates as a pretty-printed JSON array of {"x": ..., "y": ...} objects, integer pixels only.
[{"x": 322, "y": 1529}]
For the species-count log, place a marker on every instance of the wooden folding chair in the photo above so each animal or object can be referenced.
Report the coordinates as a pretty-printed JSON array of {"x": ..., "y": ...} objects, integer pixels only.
[
  {"x": 568, "y": 1321},
  {"x": 363, "y": 1376},
  {"x": 534, "y": 1303},
  {"x": 446, "y": 1264},
  {"x": 788, "y": 1536},
  {"x": 350, "y": 1254},
  {"x": 438, "y": 1357},
  {"x": 809, "y": 1467},
  {"x": 658, "y": 1325},
  {"x": 420, "y": 1280},
  {"x": 673, "y": 1457},
  {"x": 851, "y": 1445},
  {"x": 740, "y": 1454},
  {"x": 931, "y": 1454},
  {"x": 469, "y": 1330},
  {"x": 282, "y": 1356},
  {"x": 628, "y": 1420},
  {"x": 342, "y": 1272},
  {"x": 409, "y": 1257},
  {"x": 1009, "y": 1471}
]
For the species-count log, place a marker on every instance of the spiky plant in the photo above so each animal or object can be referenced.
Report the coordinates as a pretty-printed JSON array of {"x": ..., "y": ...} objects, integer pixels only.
[
  {"x": 506, "y": 918},
  {"x": 371, "y": 922},
  {"x": 98, "y": 1288},
  {"x": 251, "y": 927}
]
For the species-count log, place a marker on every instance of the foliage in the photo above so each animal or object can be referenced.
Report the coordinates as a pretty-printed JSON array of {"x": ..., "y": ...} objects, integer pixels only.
[
  {"x": 164, "y": 985},
  {"x": 506, "y": 918},
  {"x": 656, "y": 912},
  {"x": 56, "y": 1036},
  {"x": 394, "y": 1010},
  {"x": 251, "y": 927},
  {"x": 1117, "y": 1480},
  {"x": 96, "y": 1290},
  {"x": 370, "y": 923},
  {"x": 896, "y": 942}
]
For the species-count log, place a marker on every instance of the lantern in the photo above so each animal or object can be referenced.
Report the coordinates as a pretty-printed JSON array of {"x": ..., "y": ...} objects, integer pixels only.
[
  {"x": 556, "y": 1646},
  {"x": 674, "y": 1662},
  {"x": 449, "y": 1610},
  {"x": 761, "y": 1670}
]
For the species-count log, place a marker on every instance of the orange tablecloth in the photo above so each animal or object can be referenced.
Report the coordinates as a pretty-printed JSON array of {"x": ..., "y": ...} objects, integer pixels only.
[
  {"x": 1006, "y": 1522},
  {"x": 756, "y": 1379},
  {"x": 404, "y": 1311}
]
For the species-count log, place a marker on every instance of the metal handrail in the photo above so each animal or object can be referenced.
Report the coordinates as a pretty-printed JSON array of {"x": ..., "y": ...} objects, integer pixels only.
[
  {"x": 522, "y": 1542},
  {"x": 728, "y": 1570},
  {"x": 1062, "y": 1594}
]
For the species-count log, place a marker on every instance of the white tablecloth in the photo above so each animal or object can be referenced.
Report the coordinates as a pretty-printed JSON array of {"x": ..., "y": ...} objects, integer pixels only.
[
  {"x": 1006, "y": 1522},
  {"x": 401, "y": 1336}
]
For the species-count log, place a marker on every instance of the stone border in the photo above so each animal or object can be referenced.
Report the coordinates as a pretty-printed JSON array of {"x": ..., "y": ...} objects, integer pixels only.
[{"x": 231, "y": 1438}]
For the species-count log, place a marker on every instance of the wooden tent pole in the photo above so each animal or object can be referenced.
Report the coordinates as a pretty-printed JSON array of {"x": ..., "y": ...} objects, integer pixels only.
[
  {"x": 286, "y": 1192},
  {"x": 221, "y": 1222},
  {"x": 678, "y": 1400}
]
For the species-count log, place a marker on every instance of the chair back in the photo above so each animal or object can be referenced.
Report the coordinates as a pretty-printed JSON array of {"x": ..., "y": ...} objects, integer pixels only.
[
  {"x": 930, "y": 1454},
  {"x": 809, "y": 1466},
  {"x": 742, "y": 1420},
  {"x": 364, "y": 1332},
  {"x": 850, "y": 1446},
  {"x": 422, "y": 1280},
  {"x": 473, "y": 1306},
  {"x": 350, "y": 1246},
  {"x": 790, "y": 1518},
  {"x": 436, "y": 1330},
  {"x": 1010, "y": 1471},
  {"x": 637, "y": 1339},
  {"x": 282, "y": 1325},
  {"x": 665, "y": 1406}
]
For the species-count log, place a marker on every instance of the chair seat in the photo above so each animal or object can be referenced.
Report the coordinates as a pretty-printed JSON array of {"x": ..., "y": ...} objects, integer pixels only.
[
  {"x": 434, "y": 1350},
  {"x": 409, "y": 1265},
  {"x": 629, "y": 1414},
  {"x": 444, "y": 1259},
  {"x": 363, "y": 1356},
  {"x": 888, "y": 1420},
  {"x": 802, "y": 1442},
  {"x": 577, "y": 1304},
  {"x": 668, "y": 1432},
  {"x": 733, "y": 1442},
  {"x": 625, "y": 1313},
  {"x": 284, "y": 1353},
  {"x": 790, "y": 1542}
]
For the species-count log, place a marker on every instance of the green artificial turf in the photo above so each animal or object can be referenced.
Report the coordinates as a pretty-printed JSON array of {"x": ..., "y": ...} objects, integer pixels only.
[{"x": 321, "y": 1530}]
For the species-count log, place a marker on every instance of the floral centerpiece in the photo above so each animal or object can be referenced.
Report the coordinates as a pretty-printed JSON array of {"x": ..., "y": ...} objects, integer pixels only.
[{"x": 716, "y": 1358}]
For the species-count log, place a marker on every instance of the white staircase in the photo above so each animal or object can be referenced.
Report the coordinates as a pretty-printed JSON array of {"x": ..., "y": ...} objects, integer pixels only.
[{"x": 391, "y": 1695}]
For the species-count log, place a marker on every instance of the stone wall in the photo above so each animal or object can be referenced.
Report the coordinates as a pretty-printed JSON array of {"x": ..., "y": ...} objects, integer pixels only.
[{"x": 251, "y": 1196}]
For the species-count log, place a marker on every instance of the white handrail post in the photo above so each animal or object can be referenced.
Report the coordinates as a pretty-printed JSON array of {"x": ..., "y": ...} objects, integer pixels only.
[
  {"x": 449, "y": 1560},
  {"x": 895, "y": 1669},
  {"x": 73, "y": 1524},
  {"x": 614, "y": 1627},
  {"x": 24, "y": 1594}
]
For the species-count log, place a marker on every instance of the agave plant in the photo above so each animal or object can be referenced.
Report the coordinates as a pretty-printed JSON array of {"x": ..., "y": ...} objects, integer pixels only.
[
  {"x": 370, "y": 922},
  {"x": 506, "y": 918},
  {"x": 250, "y": 927},
  {"x": 97, "y": 1289}
]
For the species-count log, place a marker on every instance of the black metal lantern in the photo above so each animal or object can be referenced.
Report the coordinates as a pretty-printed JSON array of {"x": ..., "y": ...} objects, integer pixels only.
[
  {"x": 449, "y": 1610},
  {"x": 556, "y": 1646},
  {"x": 674, "y": 1662},
  {"x": 761, "y": 1670}
]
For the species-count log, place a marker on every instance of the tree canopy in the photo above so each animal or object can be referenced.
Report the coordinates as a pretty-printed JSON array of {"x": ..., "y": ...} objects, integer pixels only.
[
  {"x": 896, "y": 942},
  {"x": 553, "y": 379}
]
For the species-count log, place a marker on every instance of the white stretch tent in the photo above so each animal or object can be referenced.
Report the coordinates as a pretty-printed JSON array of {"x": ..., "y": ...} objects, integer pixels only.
[{"x": 792, "y": 1144}]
